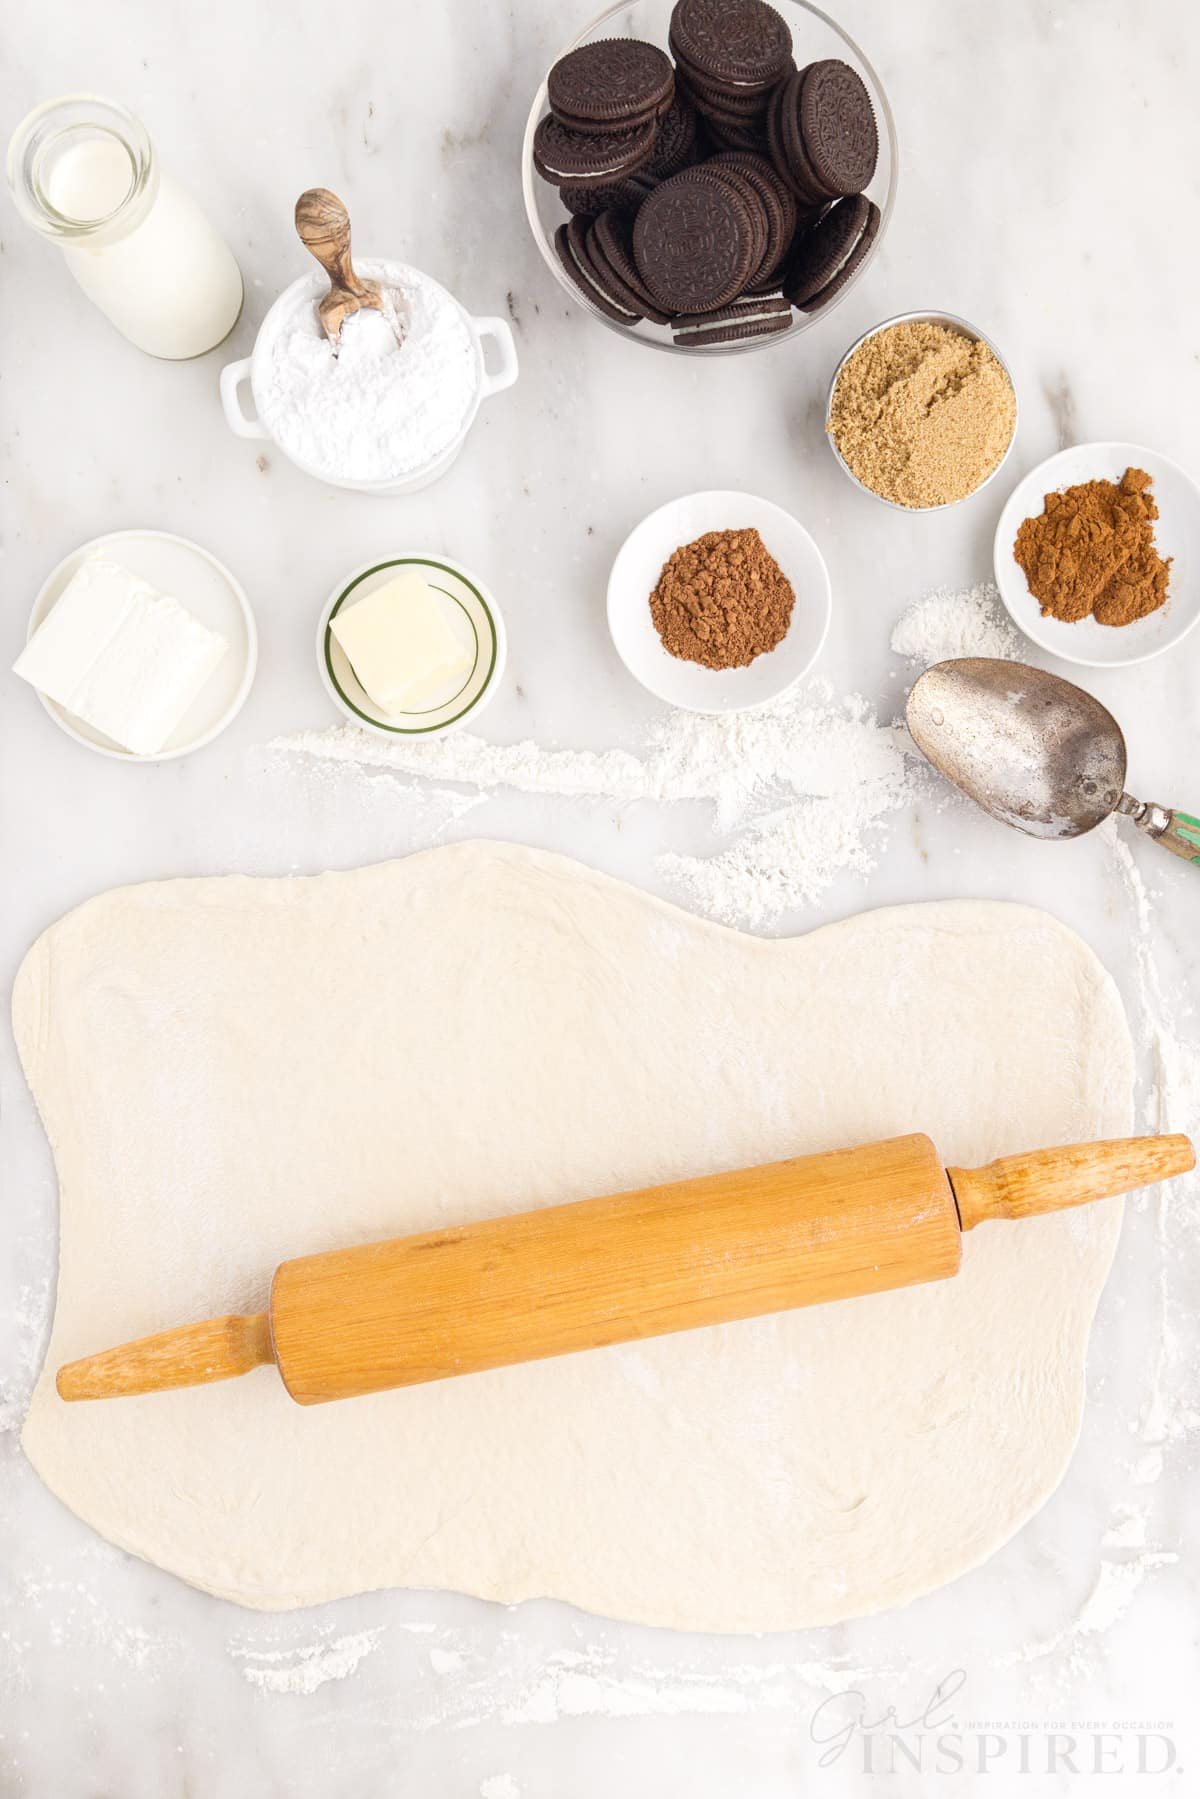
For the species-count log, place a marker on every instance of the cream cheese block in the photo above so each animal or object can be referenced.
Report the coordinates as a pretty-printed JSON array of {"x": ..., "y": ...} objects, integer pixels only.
[
  {"x": 400, "y": 643},
  {"x": 121, "y": 656}
]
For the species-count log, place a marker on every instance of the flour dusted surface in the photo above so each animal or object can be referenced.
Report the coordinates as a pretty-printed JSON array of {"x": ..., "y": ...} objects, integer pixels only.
[
  {"x": 805, "y": 786},
  {"x": 803, "y": 789}
]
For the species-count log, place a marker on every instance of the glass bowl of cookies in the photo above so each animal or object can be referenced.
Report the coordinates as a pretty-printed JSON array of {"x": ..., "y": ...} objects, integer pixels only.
[{"x": 709, "y": 176}]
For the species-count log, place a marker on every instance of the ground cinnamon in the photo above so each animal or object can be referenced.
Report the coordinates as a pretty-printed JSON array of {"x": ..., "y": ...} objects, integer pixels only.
[
  {"x": 722, "y": 600},
  {"x": 1091, "y": 552}
]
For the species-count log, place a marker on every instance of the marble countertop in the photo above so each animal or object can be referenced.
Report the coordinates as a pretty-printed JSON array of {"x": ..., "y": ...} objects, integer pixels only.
[{"x": 1048, "y": 157}]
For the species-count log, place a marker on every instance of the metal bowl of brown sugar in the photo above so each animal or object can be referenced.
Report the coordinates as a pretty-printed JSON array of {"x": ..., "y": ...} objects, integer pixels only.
[{"x": 950, "y": 421}]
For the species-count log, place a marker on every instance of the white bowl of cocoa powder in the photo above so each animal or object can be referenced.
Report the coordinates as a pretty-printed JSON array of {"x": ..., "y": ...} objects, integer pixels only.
[{"x": 719, "y": 602}]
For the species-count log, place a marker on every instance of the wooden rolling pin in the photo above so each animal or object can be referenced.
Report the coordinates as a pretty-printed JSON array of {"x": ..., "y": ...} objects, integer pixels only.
[{"x": 631, "y": 1265}]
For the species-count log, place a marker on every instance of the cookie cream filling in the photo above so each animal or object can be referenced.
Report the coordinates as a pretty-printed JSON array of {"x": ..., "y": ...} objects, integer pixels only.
[
  {"x": 834, "y": 272},
  {"x": 592, "y": 175},
  {"x": 761, "y": 316},
  {"x": 595, "y": 286}
]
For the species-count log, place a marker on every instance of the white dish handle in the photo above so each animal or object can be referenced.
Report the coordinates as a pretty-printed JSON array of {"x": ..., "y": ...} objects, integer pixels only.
[
  {"x": 501, "y": 335},
  {"x": 232, "y": 376}
]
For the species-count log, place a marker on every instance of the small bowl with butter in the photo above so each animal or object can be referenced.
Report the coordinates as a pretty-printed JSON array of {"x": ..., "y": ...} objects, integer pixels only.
[{"x": 412, "y": 646}]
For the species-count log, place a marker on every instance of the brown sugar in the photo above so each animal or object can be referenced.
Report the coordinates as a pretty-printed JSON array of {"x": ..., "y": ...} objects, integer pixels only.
[
  {"x": 1090, "y": 552},
  {"x": 922, "y": 414},
  {"x": 722, "y": 600}
]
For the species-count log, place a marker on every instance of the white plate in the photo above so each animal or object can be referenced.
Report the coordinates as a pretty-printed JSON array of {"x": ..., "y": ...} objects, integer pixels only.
[
  {"x": 635, "y": 575},
  {"x": 210, "y": 593},
  {"x": 1176, "y": 532},
  {"x": 472, "y": 612}
]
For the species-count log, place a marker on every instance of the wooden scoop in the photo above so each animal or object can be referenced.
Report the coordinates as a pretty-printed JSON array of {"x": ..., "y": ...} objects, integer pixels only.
[
  {"x": 612, "y": 1270},
  {"x": 323, "y": 225}
]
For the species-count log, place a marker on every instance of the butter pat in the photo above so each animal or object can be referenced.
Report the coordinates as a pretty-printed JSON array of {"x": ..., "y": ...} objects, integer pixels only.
[
  {"x": 401, "y": 645},
  {"x": 122, "y": 657}
]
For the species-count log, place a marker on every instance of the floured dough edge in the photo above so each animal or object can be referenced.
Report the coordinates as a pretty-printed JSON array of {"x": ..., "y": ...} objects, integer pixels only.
[{"x": 31, "y": 1008}]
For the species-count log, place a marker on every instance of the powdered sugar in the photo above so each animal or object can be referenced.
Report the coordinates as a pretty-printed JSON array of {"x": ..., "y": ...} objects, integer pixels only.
[{"x": 395, "y": 395}]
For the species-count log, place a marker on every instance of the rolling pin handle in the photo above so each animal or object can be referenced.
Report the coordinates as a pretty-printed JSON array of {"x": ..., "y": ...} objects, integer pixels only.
[
  {"x": 193, "y": 1355},
  {"x": 1051, "y": 1180}
]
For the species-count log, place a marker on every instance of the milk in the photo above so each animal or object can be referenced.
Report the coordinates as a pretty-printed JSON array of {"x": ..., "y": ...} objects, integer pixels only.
[
  {"x": 170, "y": 284},
  {"x": 135, "y": 241}
]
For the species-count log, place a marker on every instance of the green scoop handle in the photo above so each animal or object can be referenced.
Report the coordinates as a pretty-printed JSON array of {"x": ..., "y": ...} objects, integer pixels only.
[{"x": 1178, "y": 832}]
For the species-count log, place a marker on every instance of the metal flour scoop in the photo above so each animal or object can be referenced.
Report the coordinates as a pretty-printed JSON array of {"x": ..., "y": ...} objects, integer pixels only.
[{"x": 1034, "y": 750}]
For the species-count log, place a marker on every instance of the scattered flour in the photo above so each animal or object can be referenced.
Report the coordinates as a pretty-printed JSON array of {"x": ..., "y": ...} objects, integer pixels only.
[
  {"x": 1112, "y": 1594},
  {"x": 803, "y": 788},
  {"x": 1108, "y": 1600},
  {"x": 1168, "y": 1414},
  {"x": 946, "y": 624},
  {"x": 304, "y": 1670},
  {"x": 79, "y": 1616},
  {"x": 1127, "y": 1528},
  {"x": 804, "y": 785},
  {"x": 499, "y": 1786},
  {"x": 24, "y": 1326}
]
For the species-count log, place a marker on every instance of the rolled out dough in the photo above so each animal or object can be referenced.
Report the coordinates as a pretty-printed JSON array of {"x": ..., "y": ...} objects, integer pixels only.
[{"x": 232, "y": 1071}]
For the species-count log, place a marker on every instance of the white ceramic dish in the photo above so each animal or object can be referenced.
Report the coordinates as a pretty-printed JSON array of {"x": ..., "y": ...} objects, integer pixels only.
[
  {"x": 252, "y": 369},
  {"x": 950, "y": 321},
  {"x": 1177, "y": 534},
  {"x": 473, "y": 613},
  {"x": 635, "y": 574},
  {"x": 208, "y": 590}
]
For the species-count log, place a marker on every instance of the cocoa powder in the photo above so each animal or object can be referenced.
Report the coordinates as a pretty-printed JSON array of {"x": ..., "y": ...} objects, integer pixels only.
[
  {"x": 1090, "y": 552},
  {"x": 722, "y": 600}
]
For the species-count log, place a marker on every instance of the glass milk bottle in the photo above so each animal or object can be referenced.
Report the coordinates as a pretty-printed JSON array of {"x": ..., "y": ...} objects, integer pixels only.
[{"x": 84, "y": 173}]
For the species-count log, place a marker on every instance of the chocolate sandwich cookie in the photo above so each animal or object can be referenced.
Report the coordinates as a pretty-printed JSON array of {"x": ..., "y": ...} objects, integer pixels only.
[
  {"x": 734, "y": 137},
  {"x": 778, "y": 204},
  {"x": 785, "y": 141},
  {"x": 610, "y": 85},
  {"x": 583, "y": 158},
  {"x": 714, "y": 104},
  {"x": 734, "y": 46},
  {"x": 693, "y": 242},
  {"x": 610, "y": 253},
  {"x": 770, "y": 280},
  {"x": 777, "y": 149},
  {"x": 729, "y": 122},
  {"x": 837, "y": 124},
  {"x": 822, "y": 134},
  {"x": 570, "y": 243},
  {"x": 755, "y": 210},
  {"x": 623, "y": 196},
  {"x": 677, "y": 144},
  {"x": 733, "y": 324},
  {"x": 825, "y": 256}
]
